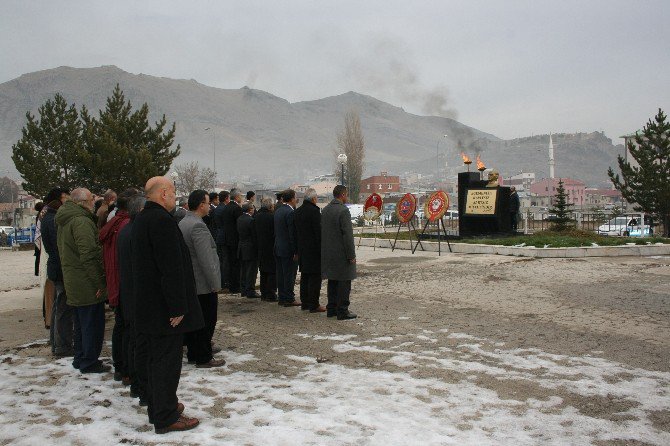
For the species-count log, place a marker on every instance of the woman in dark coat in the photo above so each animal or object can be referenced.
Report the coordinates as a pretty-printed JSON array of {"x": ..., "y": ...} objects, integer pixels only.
[{"x": 265, "y": 233}]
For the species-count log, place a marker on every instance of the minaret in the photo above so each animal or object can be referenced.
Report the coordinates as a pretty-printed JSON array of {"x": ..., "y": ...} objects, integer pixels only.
[{"x": 551, "y": 157}]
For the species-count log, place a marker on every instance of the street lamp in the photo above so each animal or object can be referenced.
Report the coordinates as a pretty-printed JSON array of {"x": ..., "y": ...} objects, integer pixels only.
[
  {"x": 437, "y": 160},
  {"x": 213, "y": 146},
  {"x": 342, "y": 159},
  {"x": 174, "y": 176}
]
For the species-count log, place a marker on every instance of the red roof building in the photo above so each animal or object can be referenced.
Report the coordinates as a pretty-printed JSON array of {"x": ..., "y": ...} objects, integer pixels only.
[{"x": 383, "y": 184}]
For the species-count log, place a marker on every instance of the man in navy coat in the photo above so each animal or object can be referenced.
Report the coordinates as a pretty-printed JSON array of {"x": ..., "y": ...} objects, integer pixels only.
[{"x": 286, "y": 249}]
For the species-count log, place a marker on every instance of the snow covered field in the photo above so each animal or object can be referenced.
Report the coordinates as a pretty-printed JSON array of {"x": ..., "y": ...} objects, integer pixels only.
[
  {"x": 323, "y": 403},
  {"x": 536, "y": 363}
]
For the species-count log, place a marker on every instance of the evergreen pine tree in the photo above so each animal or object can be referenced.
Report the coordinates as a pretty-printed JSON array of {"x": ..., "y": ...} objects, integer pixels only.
[
  {"x": 647, "y": 185},
  {"x": 122, "y": 149},
  {"x": 49, "y": 151},
  {"x": 561, "y": 209}
]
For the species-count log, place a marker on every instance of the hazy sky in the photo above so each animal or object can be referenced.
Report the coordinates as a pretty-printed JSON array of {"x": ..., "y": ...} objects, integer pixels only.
[{"x": 511, "y": 68}]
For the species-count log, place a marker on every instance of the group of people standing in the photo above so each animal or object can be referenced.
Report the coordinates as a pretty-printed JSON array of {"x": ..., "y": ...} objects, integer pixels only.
[{"x": 161, "y": 269}]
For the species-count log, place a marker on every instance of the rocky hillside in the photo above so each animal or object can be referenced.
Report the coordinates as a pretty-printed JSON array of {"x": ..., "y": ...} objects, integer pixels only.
[{"x": 259, "y": 135}]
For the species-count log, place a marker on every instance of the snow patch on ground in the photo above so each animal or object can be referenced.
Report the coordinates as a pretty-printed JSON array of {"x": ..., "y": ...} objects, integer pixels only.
[
  {"x": 331, "y": 337},
  {"x": 330, "y": 404}
]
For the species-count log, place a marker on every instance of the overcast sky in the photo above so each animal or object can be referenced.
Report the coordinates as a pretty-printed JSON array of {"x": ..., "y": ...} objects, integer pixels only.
[{"x": 511, "y": 68}]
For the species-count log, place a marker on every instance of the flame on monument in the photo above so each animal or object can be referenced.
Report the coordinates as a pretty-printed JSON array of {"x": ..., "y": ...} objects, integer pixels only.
[
  {"x": 480, "y": 165},
  {"x": 466, "y": 159}
]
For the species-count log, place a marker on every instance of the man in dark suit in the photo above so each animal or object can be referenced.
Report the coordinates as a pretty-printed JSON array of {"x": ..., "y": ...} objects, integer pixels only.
[
  {"x": 248, "y": 251},
  {"x": 286, "y": 249},
  {"x": 209, "y": 218},
  {"x": 167, "y": 304},
  {"x": 224, "y": 199},
  {"x": 308, "y": 228},
  {"x": 338, "y": 255},
  {"x": 264, "y": 226},
  {"x": 202, "y": 250},
  {"x": 230, "y": 214}
]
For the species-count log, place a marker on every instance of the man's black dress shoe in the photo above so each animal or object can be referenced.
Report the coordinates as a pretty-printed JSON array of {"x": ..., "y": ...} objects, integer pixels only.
[{"x": 345, "y": 316}]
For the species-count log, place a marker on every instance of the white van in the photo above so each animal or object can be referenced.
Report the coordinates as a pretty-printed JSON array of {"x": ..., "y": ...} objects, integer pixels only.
[
  {"x": 7, "y": 229},
  {"x": 627, "y": 226}
]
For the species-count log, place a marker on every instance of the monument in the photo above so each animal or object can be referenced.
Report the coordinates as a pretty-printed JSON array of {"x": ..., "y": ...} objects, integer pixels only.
[{"x": 483, "y": 205}]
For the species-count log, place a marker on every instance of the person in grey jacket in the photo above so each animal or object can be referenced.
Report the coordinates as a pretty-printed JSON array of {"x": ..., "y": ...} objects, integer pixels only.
[
  {"x": 338, "y": 255},
  {"x": 202, "y": 249}
]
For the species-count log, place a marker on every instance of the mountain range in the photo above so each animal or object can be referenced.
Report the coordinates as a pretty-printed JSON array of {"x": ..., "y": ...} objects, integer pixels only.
[{"x": 252, "y": 134}]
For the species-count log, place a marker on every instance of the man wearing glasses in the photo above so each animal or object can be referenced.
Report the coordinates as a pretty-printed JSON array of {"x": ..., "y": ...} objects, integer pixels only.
[{"x": 83, "y": 277}]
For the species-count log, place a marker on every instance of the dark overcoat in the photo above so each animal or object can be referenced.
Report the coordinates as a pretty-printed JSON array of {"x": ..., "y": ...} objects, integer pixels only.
[
  {"x": 337, "y": 242},
  {"x": 264, "y": 225},
  {"x": 50, "y": 243},
  {"x": 247, "y": 249},
  {"x": 124, "y": 260},
  {"x": 308, "y": 229},
  {"x": 286, "y": 244},
  {"x": 231, "y": 212},
  {"x": 162, "y": 274},
  {"x": 514, "y": 203},
  {"x": 217, "y": 216}
]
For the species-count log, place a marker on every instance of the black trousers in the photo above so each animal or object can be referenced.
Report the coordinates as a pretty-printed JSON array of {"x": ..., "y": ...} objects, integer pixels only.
[
  {"x": 89, "y": 332},
  {"x": 129, "y": 349},
  {"x": 268, "y": 285},
  {"x": 164, "y": 361},
  {"x": 514, "y": 221},
  {"x": 233, "y": 271},
  {"x": 286, "y": 271},
  {"x": 223, "y": 264},
  {"x": 310, "y": 289},
  {"x": 38, "y": 253},
  {"x": 61, "y": 328},
  {"x": 118, "y": 352},
  {"x": 338, "y": 296},
  {"x": 141, "y": 357},
  {"x": 248, "y": 274},
  {"x": 199, "y": 342}
]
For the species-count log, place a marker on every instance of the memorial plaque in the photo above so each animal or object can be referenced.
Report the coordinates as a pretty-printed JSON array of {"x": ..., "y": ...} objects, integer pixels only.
[
  {"x": 436, "y": 206},
  {"x": 406, "y": 208},
  {"x": 481, "y": 201},
  {"x": 372, "y": 208}
]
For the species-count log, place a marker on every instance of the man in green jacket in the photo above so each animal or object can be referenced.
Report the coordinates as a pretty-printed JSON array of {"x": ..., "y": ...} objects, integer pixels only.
[{"x": 84, "y": 278}]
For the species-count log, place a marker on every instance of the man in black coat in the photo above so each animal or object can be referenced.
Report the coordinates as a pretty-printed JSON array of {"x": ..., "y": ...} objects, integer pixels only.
[
  {"x": 209, "y": 218},
  {"x": 135, "y": 355},
  {"x": 61, "y": 326},
  {"x": 248, "y": 251},
  {"x": 217, "y": 216},
  {"x": 264, "y": 226},
  {"x": 167, "y": 304},
  {"x": 308, "y": 228},
  {"x": 514, "y": 205},
  {"x": 286, "y": 249},
  {"x": 230, "y": 214}
]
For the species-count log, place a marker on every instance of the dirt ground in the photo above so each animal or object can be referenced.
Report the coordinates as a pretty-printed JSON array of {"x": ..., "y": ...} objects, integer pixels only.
[{"x": 615, "y": 310}]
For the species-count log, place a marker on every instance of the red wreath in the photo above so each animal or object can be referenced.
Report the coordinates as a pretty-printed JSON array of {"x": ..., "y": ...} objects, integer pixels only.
[
  {"x": 436, "y": 206},
  {"x": 406, "y": 208},
  {"x": 372, "y": 208}
]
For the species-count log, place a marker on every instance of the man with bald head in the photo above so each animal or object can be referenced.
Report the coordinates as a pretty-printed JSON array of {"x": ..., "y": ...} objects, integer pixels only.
[
  {"x": 167, "y": 305},
  {"x": 83, "y": 277}
]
